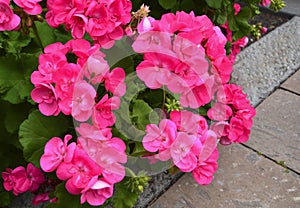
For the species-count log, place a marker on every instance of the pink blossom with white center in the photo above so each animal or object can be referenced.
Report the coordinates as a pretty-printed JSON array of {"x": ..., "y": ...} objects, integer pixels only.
[
  {"x": 184, "y": 151},
  {"x": 8, "y": 20},
  {"x": 48, "y": 65},
  {"x": 96, "y": 192},
  {"x": 189, "y": 122},
  {"x": 83, "y": 101},
  {"x": 45, "y": 96},
  {"x": 78, "y": 172},
  {"x": 109, "y": 155},
  {"x": 155, "y": 70},
  {"x": 203, "y": 173},
  {"x": 30, "y": 6},
  {"x": 219, "y": 112},
  {"x": 160, "y": 138},
  {"x": 114, "y": 82},
  {"x": 56, "y": 151},
  {"x": 102, "y": 112}
]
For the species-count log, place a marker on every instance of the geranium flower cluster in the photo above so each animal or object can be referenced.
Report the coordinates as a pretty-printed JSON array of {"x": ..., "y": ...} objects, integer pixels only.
[
  {"x": 186, "y": 54},
  {"x": 9, "y": 20},
  {"x": 60, "y": 86},
  {"x": 186, "y": 140},
  {"x": 232, "y": 114},
  {"x": 191, "y": 63},
  {"x": 103, "y": 20},
  {"x": 92, "y": 165},
  {"x": 91, "y": 175},
  {"x": 21, "y": 180}
]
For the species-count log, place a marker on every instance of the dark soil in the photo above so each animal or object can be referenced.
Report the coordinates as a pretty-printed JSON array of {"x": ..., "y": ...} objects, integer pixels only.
[{"x": 270, "y": 20}]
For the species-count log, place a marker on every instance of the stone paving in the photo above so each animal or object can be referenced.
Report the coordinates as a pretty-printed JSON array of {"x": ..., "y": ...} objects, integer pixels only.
[{"x": 265, "y": 172}]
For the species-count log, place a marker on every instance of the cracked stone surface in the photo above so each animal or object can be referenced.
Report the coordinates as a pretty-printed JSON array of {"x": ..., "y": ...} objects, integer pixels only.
[
  {"x": 244, "y": 179},
  {"x": 276, "y": 129}
]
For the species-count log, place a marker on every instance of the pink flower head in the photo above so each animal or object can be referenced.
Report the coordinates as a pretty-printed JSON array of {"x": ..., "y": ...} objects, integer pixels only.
[
  {"x": 48, "y": 65},
  {"x": 92, "y": 132},
  {"x": 21, "y": 180},
  {"x": 8, "y": 182},
  {"x": 237, "y": 8},
  {"x": 114, "y": 82},
  {"x": 30, "y": 6},
  {"x": 160, "y": 137},
  {"x": 155, "y": 70},
  {"x": 96, "y": 68},
  {"x": 83, "y": 101},
  {"x": 265, "y": 2},
  {"x": 184, "y": 151},
  {"x": 45, "y": 96},
  {"x": 198, "y": 95},
  {"x": 8, "y": 20},
  {"x": 78, "y": 172},
  {"x": 109, "y": 155},
  {"x": 219, "y": 112},
  {"x": 96, "y": 192},
  {"x": 264, "y": 30},
  {"x": 102, "y": 111},
  {"x": 189, "y": 122},
  {"x": 36, "y": 176},
  {"x": 203, "y": 173},
  {"x": 56, "y": 151},
  {"x": 77, "y": 23}
]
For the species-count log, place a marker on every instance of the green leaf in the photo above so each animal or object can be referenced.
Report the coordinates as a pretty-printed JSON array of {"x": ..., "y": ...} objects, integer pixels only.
[
  {"x": 222, "y": 17},
  {"x": 15, "y": 85},
  {"x": 65, "y": 199},
  {"x": 46, "y": 33},
  {"x": 140, "y": 113},
  {"x": 36, "y": 131},
  {"x": 167, "y": 4},
  {"x": 5, "y": 196},
  {"x": 13, "y": 42},
  {"x": 216, "y": 4},
  {"x": 124, "y": 197}
]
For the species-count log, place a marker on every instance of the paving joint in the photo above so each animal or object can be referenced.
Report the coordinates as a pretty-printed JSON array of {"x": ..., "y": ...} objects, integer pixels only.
[
  {"x": 279, "y": 163},
  {"x": 290, "y": 91}
]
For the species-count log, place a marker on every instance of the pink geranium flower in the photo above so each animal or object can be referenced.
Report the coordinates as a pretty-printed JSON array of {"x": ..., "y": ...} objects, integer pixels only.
[
  {"x": 219, "y": 112},
  {"x": 160, "y": 138},
  {"x": 83, "y": 101},
  {"x": 92, "y": 132},
  {"x": 203, "y": 173},
  {"x": 96, "y": 192},
  {"x": 20, "y": 180},
  {"x": 78, "y": 172},
  {"x": 114, "y": 82},
  {"x": 56, "y": 151},
  {"x": 145, "y": 25},
  {"x": 184, "y": 151},
  {"x": 30, "y": 6},
  {"x": 8, "y": 20},
  {"x": 45, "y": 96},
  {"x": 102, "y": 111}
]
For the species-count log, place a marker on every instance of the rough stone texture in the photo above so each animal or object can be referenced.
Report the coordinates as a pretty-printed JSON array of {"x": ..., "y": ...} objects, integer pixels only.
[
  {"x": 292, "y": 7},
  {"x": 293, "y": 83},
  {"x": 262, "y": 66},
  {"x": 276, "y": 130},
  {"x": 244, "y": 179}
]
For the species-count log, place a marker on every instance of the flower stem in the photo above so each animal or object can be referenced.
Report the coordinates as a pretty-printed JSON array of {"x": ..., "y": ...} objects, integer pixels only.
[{"x": 131, "y": 173}]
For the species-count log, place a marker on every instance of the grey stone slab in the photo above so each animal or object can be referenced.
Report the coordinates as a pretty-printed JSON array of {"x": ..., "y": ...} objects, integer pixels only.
[
  {"x": 243, "y": 180},
  {"x": 292, "y": 7},
  {"x": 276, "y": 129},
  {"x": 262, "y": 66},
  {"x": 293, "y": 83}
]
